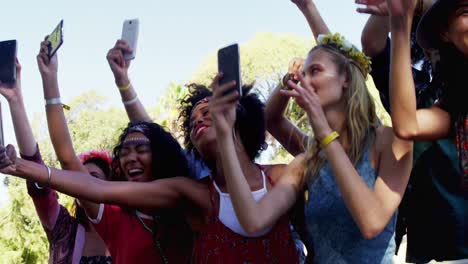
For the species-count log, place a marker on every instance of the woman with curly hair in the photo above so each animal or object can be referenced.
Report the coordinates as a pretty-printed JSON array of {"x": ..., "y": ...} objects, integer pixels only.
[{"x": 205, "y": 204}]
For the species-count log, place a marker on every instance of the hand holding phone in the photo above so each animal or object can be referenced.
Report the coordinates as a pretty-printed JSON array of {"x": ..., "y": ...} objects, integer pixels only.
[
  {"x": 7, "y": 61},
  {"x": 55, "y": 39},
  {"x": 130, "y": 35},
  {"x": 229, "y": 65}
]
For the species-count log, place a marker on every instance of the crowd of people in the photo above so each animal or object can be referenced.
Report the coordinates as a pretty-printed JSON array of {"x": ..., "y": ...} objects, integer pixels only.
[{"x": 354, "y": 188}]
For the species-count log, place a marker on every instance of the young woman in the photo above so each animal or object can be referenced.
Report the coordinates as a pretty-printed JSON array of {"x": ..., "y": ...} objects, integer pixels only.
[
  {"x": 443, "y": 30},
  {"x": 71, "y": 239},
  {"x": 354, "y": 182},
  {"x": 206, "y": 204},
  {"x": 132, "y": 236}
]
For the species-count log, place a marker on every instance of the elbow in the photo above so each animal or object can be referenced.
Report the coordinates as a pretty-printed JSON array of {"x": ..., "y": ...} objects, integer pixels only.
[
  {"x": 371, "y": 230},
  {"x": 405, "y": 133}
]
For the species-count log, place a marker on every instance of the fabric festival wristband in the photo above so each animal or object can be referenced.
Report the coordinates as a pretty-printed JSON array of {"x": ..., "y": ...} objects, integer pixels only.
[
  {"x": 125, "y": 87},
  {"x": 328, "y": 139},
  {"x": 56, "y": 101},
  {"x": 131, "y": 101}
]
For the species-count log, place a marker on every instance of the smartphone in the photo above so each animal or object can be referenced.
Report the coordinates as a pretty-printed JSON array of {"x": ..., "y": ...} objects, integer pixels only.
[
  {"x": 7, "y": 61},
  {"x": 55, "y": 39},
  {"x": 130, "y": 35},
  {"x": 229, "y": 65},
  {"x": 2, "y": 140}
]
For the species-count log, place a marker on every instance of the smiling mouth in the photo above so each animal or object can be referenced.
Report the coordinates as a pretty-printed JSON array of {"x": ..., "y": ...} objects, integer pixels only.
[
  {"x": 199, "y": 131},
  {"x": 135, "y": 174}
]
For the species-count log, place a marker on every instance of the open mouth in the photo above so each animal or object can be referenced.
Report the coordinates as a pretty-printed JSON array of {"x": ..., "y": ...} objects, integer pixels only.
[
  {"x": 135, "y": 174},
  {"x": 200, "y": 130}
]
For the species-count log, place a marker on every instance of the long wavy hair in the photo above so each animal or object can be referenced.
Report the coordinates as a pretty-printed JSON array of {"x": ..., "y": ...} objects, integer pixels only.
[{"x": 361, "y": 118}]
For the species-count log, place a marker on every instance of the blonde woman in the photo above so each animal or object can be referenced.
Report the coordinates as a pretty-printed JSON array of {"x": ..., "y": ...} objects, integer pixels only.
[{"x": 355, "y": 171}]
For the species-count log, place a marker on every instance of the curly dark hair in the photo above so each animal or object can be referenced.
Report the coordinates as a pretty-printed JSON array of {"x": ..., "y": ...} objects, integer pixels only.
[
  {"x": 168, "y": 160},
  {"x": 168, "y": 157},
  {"x": 250, "y": 118}
]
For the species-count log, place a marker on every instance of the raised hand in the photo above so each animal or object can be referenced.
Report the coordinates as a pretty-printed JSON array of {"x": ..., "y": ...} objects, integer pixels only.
[
  {"x": 395, "y": 7},
  {"x": 119, "y": 66},
  {"x": 302, "y": 4},
  {"x": 47, "y": 67},
  {"x": 12, "y": 91},
  {"x": 7, "y": 160},
  {"x": 222, "y": 106},
  {"x": 306, "y": 97},
  {"x": 380, "y": 9}
]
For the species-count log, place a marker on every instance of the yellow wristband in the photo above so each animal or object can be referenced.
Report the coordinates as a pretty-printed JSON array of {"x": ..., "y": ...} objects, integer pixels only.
[
  {"x": 328, "y": 139},
  {"x": 125, "y": 87}
]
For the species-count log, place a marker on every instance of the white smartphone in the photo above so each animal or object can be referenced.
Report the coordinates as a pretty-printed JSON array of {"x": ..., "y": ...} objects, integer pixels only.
[{"x": 130, "y": 34}]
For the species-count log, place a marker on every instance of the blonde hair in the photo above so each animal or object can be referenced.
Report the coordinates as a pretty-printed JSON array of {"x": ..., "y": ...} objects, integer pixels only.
[{"x": 361, "y": 118}]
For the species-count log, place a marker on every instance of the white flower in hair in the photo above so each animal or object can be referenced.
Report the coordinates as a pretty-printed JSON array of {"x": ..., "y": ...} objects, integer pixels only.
[
  {"x": 347, "y": 46},
  {"x": 320, "y": 38}
]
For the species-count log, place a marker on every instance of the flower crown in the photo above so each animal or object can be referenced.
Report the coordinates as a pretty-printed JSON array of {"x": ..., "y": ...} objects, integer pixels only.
[{"x": 346, "y": 48}]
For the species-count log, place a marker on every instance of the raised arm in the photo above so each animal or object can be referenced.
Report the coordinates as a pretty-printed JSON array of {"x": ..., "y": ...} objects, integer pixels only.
[
  {"x": 45, "y": 200},
  {"x": 58, "y": 129},
  {"x": 409, "y": 123},
  {"x": 253, "y": 216},
  {"x": 374, "y": 35},
  {"x": 370, "y": 208},
  {"x": 119, "y": 67},
  {"x": 313, "y": 17},
  {"x": 23, "y": 132},
  {"x": 163, "y": 193},
  {"x": 283, "y": 130}
]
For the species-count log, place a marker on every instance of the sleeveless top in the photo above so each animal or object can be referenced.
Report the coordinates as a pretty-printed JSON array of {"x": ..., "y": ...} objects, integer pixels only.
[
  {"x": 228, "y": 216},
  {"x": 216, "y": 243},
  {"x": 334, "y": 235}
]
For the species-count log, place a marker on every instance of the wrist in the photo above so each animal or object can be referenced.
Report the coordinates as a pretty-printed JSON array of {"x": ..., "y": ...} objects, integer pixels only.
[
  {"x": 323, "y": 133},
  {"x": 14, "y": 100},
  {"x": 49, "y": 75},
  {"x": 401, "y": 24},
  {"x": 122, "y": 82}
]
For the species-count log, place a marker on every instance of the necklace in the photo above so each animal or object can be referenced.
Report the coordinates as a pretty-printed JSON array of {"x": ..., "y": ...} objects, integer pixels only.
[{"x": 155, "y": 239}]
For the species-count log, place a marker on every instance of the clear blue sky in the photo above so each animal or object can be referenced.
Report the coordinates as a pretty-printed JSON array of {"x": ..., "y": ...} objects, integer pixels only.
[{"x": 175, "y": 36}]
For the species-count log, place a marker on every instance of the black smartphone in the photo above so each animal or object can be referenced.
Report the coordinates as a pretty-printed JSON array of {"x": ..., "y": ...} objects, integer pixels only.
[
  {"x": 7, "y": 61},
  {"x": 229, "y": 65},
  {"x": 55, "y": 39}
]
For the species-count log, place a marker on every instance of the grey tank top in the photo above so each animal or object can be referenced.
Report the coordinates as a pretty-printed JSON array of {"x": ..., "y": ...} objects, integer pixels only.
[{"x": 331, "y": 230}]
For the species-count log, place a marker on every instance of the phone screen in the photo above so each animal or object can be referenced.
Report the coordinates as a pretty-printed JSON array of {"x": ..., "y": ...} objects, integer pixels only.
[
  {"x": 229, "y": 65},
  {"x": 7, "y": 61},
  {"x": 55, "y": 39}
]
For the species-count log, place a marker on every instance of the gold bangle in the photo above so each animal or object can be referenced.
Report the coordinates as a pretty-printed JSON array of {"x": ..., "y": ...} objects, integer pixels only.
[
  {"x": 125, "y": 87},
  {"x": 328, "y": 139}
]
